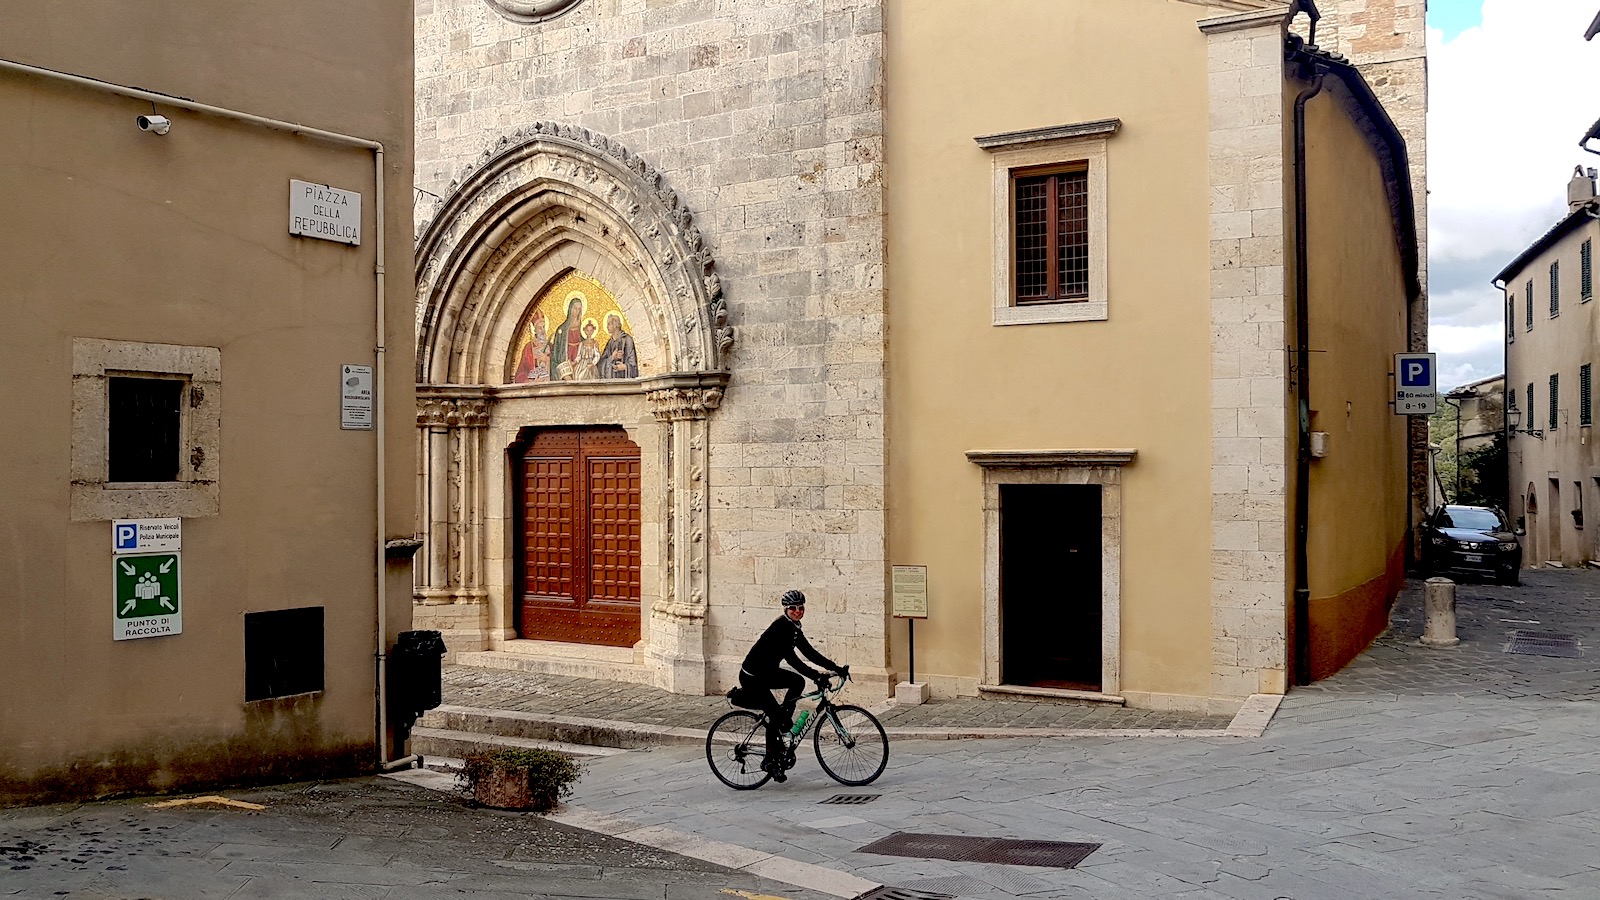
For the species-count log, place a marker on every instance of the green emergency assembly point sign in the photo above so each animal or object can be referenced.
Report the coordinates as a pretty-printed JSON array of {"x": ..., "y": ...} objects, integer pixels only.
[{"x": 147, "y": 595}]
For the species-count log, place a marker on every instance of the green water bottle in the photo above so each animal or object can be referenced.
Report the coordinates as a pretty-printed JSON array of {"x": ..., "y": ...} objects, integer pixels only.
[{"x": 800, "y": 723}]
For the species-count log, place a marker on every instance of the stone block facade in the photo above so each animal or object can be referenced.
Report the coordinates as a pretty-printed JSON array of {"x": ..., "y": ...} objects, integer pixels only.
[
  {"x": 1250, "y": 512},
  {"x": 765, "y": 120}
]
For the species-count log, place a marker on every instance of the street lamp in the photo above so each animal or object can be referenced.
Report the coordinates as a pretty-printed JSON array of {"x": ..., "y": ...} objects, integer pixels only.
[{"x": 1514, "y": 418}]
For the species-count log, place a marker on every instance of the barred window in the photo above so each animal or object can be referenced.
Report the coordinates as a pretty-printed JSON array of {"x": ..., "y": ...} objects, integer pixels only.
[
  {"x": 1527, "y": 293},
  {"x": 1555, "y": 289},
  {"x": 1585, "y": 410},
  {"x": 1052, "y": 236},
  {"x": 1555, "y": 399},
  {"x": 1585, "y": 271}
]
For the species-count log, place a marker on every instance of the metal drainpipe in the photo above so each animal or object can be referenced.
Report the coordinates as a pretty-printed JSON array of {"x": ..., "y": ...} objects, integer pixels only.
[
  {"x": 1302, "y": 341},
  {"x": 379, "y": 349}
]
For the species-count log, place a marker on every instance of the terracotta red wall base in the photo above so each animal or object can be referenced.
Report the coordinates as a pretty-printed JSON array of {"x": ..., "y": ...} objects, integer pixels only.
[{"x": 1345, "y": 624}]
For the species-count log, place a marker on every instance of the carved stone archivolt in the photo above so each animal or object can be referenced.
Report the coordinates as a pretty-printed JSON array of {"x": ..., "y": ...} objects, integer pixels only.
[
  {"x": 534, "y": 188},
  {"x": 511, "y": 226}
]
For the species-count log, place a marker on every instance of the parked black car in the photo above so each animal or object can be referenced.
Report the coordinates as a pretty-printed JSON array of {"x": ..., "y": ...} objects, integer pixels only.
[{"x": 1472, "y": 540}]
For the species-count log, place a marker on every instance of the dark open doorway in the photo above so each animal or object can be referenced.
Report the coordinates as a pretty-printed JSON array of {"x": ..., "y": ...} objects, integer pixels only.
[{"x": 1050, "y": 585}]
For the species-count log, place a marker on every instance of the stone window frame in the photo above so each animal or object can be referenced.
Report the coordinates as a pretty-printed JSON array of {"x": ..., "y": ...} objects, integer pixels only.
[
  {"x": 1097, "y": 467},
  {"x": 195, "y": 493},
  {"x": 531, "y": 12},
  {"x": 1083, "y": 144}
]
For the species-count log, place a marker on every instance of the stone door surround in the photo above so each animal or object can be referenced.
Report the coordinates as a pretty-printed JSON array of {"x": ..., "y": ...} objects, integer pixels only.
[{"x": 1098, "y": 467}]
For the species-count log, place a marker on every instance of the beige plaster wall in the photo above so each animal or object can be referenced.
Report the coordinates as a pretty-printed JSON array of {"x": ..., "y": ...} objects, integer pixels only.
[
  {"x": 119, "y": 235},
  {"x": 1358, "y": 322},
  {"x": 1568, "y": 454},
  {"x": 1138, "y": 380},
  {"x": 1358, "y": 316}
]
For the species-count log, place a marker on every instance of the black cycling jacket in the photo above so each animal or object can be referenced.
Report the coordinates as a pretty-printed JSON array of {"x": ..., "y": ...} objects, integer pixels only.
[{"x": 777, "y": 644}]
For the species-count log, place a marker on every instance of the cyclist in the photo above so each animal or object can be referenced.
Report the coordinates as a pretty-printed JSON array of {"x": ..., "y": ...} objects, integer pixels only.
[{"x": 761, "y": 675}]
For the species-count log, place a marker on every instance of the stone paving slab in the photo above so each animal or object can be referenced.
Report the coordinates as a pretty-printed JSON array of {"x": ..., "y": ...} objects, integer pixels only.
[{"x": 502, "y": 689}]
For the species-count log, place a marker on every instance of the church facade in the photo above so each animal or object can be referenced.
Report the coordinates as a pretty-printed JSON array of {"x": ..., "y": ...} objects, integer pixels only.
[{"x": 719, "y": 299}]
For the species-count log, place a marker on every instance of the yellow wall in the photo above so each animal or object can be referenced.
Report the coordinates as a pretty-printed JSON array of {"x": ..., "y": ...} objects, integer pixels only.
[
  {"x": 115, "y": 234},
  {"x": 1139, "y": 380},
  {"x": 1358, "y": 322}
]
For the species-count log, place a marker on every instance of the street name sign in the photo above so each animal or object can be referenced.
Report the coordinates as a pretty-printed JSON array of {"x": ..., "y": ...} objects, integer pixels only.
[
  {"x": 355, "y": 398},
  {"x": 323, "y": 212},
  {"x": 1416, "y": 384},
  {"x": 146, "y": 595},
  {"x": 910, "y": 592},
  {"x": 146, "y": 535}
]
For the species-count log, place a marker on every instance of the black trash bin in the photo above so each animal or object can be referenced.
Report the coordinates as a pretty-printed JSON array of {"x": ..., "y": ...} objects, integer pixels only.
[{"x": 416, "y": 666}]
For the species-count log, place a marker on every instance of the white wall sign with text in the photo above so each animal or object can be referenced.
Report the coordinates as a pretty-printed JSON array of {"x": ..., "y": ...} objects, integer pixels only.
[
  {"x": 326, "y": 213},
  {"x": 355, "y": 398}
]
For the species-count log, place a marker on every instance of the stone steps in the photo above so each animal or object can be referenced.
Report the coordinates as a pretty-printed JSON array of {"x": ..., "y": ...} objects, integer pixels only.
[
  {"x": 461, "y": 723},
  {"x": 443, "y": 744}
]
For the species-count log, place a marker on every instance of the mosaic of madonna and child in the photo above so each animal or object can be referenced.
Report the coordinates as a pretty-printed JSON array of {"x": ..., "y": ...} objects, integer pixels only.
[{"x": 591, "y": 340}]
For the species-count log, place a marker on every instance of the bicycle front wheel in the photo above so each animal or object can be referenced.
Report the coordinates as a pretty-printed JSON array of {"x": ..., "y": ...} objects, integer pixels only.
[
  {"x": 851, "y": 745},
  {"x": 736, "y": 747}
]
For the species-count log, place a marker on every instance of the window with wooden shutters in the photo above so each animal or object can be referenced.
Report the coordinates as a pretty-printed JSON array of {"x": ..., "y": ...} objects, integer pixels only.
[
  {"x": 1586, "y": 271},
  {"x": 1555, "y": 289},
  {"x": 1585, "y": 410},
  {"x": 1532, "y": 419},
  {"x": 1555, "y": 399},
  {"x": 1052, "y": 236},
  {"x": 1511, "y": 318}
]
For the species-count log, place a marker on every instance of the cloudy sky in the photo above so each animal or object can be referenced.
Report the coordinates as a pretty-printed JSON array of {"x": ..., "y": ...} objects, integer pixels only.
[{"x": 1511, "y": 89}]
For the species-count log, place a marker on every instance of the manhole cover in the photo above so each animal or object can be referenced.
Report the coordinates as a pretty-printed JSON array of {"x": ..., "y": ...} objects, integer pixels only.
[
  {"x": 850, "y": 799},
  {"x": 894, "y": 893},
  {"x": 968, "y": 886},
  {"x": 1544, "y": 643},
  {"x": 1054, "y": 854}
]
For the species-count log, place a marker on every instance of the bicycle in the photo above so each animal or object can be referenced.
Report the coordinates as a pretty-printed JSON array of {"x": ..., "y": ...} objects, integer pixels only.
[{"x": 849, "y": 742}]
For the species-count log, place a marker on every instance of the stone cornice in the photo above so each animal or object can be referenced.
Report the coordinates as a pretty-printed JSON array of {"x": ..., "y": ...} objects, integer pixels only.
[
  {"x": 1275, "y": 15},
  {"x": 1008, "y": 140},
  {"x": 1050, "y": 459}
]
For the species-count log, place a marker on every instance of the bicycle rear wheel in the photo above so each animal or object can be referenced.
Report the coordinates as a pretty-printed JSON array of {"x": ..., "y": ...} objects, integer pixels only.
[
  {"x": 736, "y": 748},
  {"x": 851, "y": 745}
]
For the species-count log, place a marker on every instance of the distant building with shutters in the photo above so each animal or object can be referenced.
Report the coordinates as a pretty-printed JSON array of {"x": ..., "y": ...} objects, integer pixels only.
[
  {"x": 1549, "y": 410},
  {"x": 718, "y": 300}
]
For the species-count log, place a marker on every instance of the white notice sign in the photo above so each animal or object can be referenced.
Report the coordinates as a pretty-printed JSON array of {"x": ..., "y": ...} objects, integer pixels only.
[
  {"x": 146, "y": 535},
  {"x": 355, "y": 398},
  {"x": 319, "y": 211}
]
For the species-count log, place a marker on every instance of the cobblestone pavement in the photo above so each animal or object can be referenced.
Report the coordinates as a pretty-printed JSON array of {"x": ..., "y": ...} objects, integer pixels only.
[
  {"x": 1457, "y": 773},
  {"x": 1549, "y": 600},
  {"x": 366, "y": 838},
  {"x": 644, "y": 705}
]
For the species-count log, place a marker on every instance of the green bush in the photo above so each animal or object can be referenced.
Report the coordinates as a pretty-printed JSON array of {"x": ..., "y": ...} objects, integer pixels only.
[{"x": 546, "y": 776}]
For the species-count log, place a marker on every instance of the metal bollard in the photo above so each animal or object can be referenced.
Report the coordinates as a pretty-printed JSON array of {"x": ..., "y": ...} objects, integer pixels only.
[{"x": 1439, "y": 602}]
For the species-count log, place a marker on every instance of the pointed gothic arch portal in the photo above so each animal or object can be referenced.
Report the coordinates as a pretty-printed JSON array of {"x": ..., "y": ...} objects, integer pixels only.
[{"x": 563, "y": 288}]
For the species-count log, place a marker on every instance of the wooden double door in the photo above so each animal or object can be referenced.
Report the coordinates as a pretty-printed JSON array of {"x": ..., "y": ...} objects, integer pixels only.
[{"x": 579, "y": 541}]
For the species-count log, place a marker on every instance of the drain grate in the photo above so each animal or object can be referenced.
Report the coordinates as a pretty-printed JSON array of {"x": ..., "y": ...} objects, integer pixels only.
[
  {"x": 894, "y": 893},
  {"x": 849, "y": 799},
  {"x": 1052, "y": 854},
  {"x": 1544, "y": 643}
]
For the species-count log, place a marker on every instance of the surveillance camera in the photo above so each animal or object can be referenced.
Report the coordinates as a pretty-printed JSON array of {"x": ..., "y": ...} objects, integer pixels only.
[{"x": 156, "y": 124}]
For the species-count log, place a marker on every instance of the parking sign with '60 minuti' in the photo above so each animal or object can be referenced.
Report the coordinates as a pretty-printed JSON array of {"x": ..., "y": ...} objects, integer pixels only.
[{"x": 1416, "y": 386}]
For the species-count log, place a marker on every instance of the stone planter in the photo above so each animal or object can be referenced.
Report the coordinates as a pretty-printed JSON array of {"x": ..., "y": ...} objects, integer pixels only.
[{"x": 518, "y": 779}]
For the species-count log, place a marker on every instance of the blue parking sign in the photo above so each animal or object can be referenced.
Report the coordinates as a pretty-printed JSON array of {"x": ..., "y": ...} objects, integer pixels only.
[
  {"x": 126, "y": 536},
  {"x": 1416, "y": 372}
]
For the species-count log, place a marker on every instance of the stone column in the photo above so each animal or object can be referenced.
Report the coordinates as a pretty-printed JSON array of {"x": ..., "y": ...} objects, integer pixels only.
[
  {"x": 451, "y": 429},
  {"x": 676, "y": 646}
]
